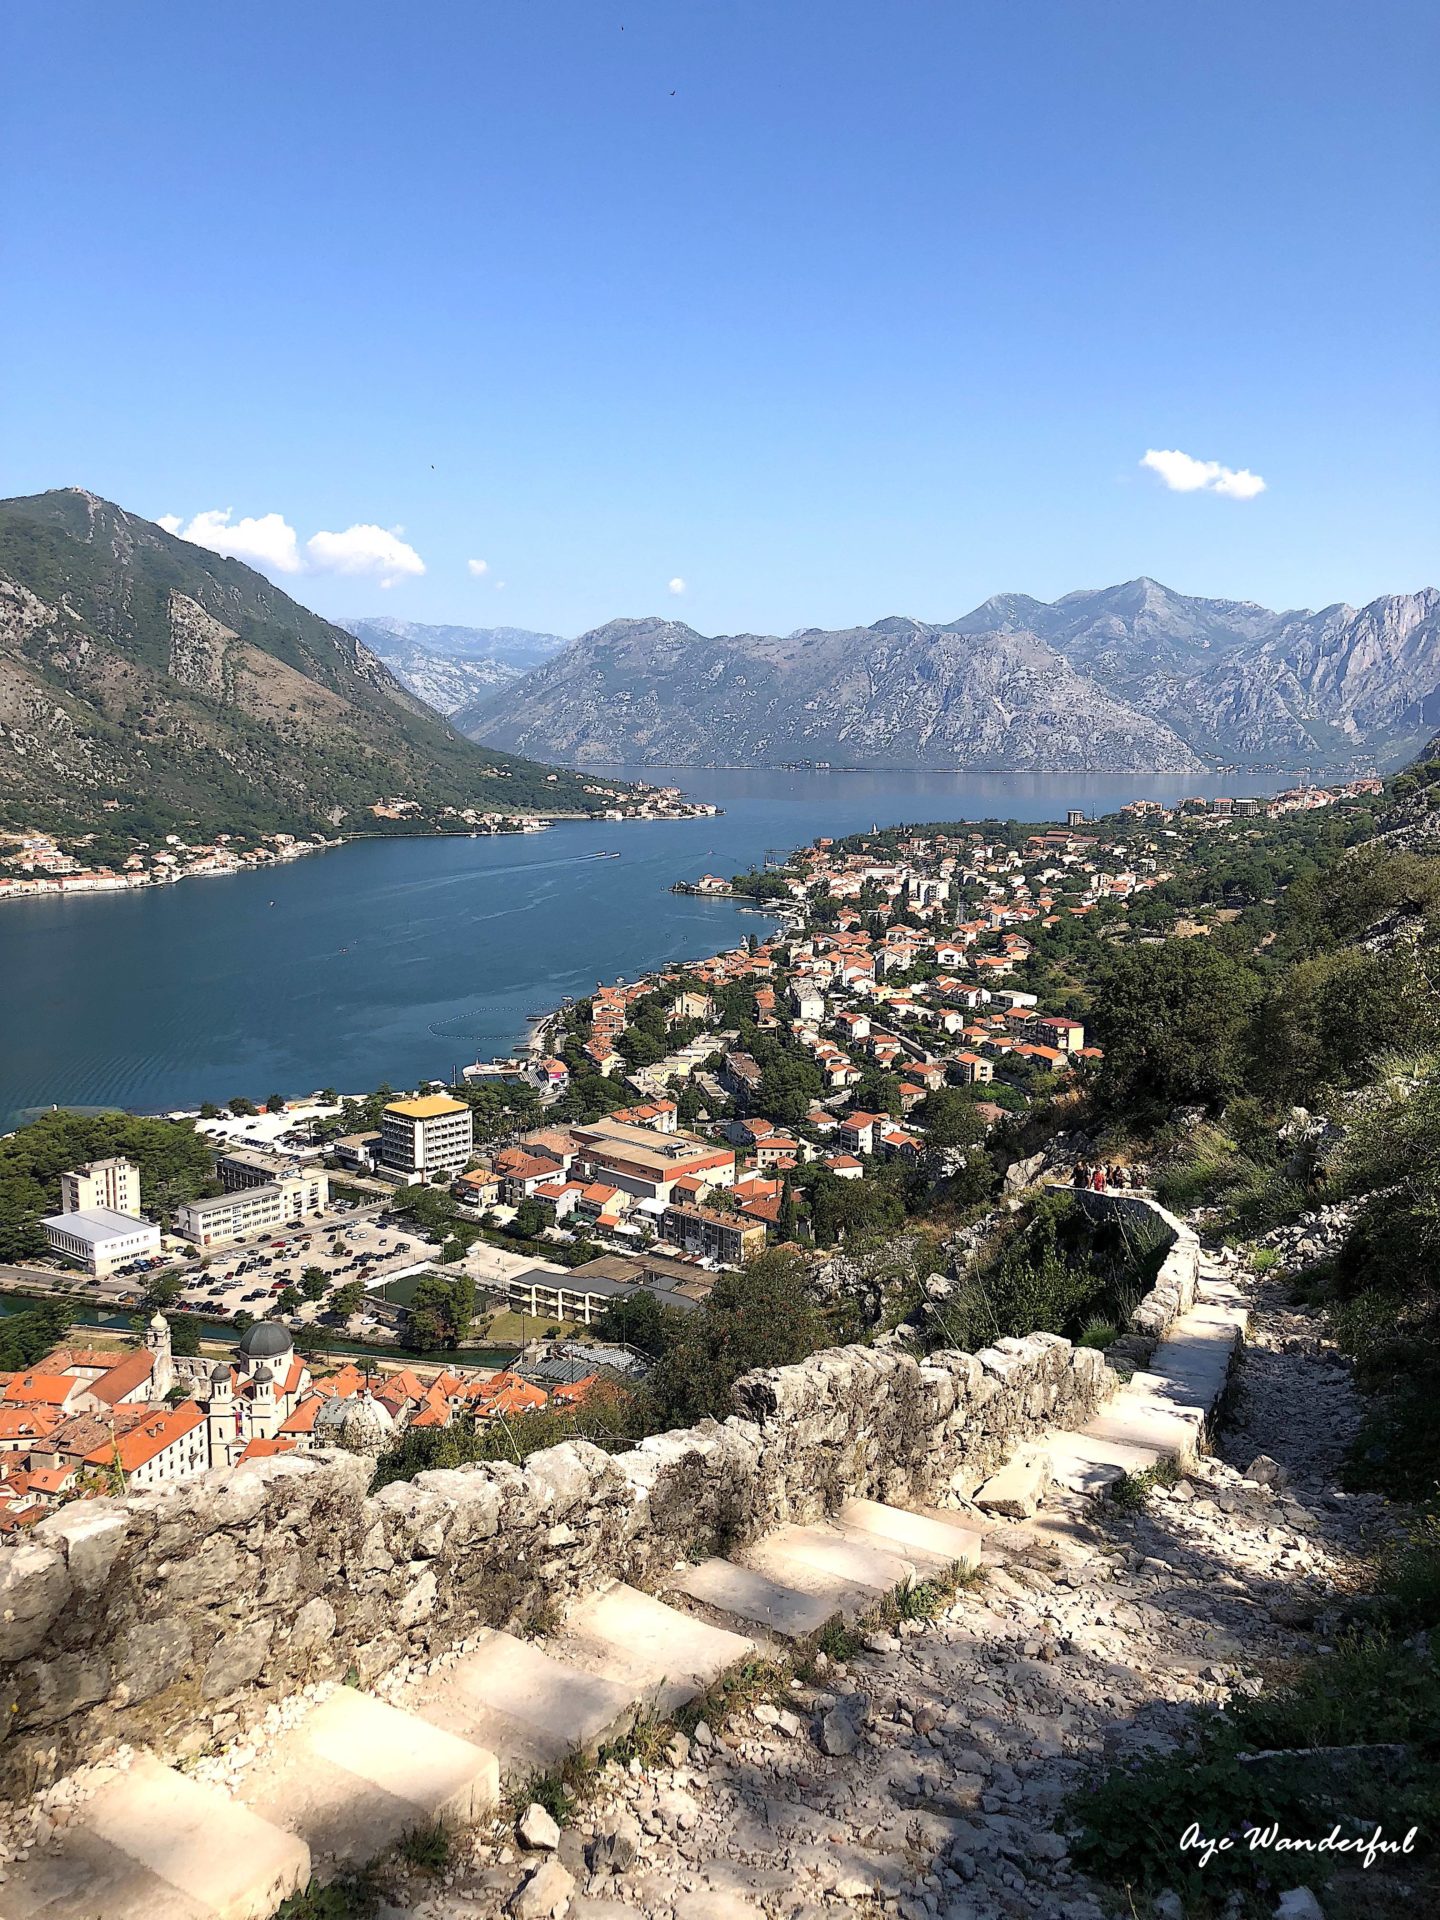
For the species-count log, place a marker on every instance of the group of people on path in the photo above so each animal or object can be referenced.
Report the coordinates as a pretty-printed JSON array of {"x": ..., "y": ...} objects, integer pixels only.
[{"x": 1100, "y": 1178}]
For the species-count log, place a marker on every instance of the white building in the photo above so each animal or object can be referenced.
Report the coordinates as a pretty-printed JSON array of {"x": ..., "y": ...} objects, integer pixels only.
[
  {"x": 434, "y": 1134},
  {"x": 168, "y": 1447},
  {"x": 280, "y": 1203},
  {"x": 99, "y": 1239},
  {"x": 111, "y": 1184}
]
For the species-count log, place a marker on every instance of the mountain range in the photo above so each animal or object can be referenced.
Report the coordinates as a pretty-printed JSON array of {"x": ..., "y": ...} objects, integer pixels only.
[
  {"x": 1127, "y": 678},
  {"x": 149, "y": 685},
  {"x": 453, "y": 668}
]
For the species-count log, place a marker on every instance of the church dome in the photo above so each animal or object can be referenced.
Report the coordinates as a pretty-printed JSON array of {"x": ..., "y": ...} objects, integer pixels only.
[
  {"x": 367, "y": 1426},
  {"x": 220, "y": 1374},
  {"x": 266, "y": 1340}
]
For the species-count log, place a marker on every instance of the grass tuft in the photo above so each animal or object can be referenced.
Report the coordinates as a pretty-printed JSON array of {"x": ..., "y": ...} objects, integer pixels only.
[{"x": 1132, "y": 1490}]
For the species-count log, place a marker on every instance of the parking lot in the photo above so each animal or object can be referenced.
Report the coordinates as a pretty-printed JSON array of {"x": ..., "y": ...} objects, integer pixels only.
[{"x": 251, "y": 1273}]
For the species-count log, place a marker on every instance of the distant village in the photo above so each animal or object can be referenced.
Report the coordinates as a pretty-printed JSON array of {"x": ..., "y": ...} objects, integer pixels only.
[{"x": 37, "y": 865}]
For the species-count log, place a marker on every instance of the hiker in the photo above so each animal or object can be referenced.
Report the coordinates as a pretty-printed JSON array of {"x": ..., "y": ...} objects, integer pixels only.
[{"x": 1097, "y": 1182}]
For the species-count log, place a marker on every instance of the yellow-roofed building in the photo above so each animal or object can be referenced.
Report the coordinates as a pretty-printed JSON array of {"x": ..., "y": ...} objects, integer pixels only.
[{"x": 432, "y": 1134}]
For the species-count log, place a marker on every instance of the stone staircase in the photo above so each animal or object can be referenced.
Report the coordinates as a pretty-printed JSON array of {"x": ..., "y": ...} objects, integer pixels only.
[{"x": 357, "y": 1772}]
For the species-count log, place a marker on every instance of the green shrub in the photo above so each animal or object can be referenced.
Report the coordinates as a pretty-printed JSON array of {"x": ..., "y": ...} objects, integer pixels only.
[
  {"x": 1371, "y": 1690},
  {"x": 1098, "y": 1333}
]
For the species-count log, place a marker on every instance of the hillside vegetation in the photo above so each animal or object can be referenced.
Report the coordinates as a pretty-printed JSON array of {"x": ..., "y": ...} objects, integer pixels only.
[{"x": 148, "y": 685}]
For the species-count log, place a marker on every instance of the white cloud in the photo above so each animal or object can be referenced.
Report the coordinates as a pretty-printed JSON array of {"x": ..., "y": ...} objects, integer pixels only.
[
  {"x": 677, "y": 585},
  {"x": 271, "y": 543},
  {"x": 1182, "y": 473},
  {"x": 478, "y": 568},
  {"x": 267, "y": 542},
  {"x": 364, "y": 549}
]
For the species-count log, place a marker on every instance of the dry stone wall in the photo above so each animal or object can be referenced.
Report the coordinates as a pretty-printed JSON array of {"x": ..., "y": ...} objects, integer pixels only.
[
  {"x": 172, "y": 1618},
  {"x": 1174, "y": 1290}
]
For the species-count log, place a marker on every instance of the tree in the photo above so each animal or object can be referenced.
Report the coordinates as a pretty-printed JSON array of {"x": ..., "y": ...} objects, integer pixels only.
[
  {"x": 441, "y": 1310},
  {"x": 529, "y": 1222},
  {"x": 766, "y": 1315},
  {"x": 949, "y": 1119},
  {"x": 347, "y": 1299},
  {"x": 640, "y": 1047},
  {"x": 1173, "y": 1021},
  {"x": 241, "y": 1106},
  {"x": 314, "y": 1283},
  {"x": 276, "y": 1103},
  {"x": 184, "y": 1334},
  {"x": 639, "y": 1320},
  {"x": 878, "y": 1093},
  {"x": 287, "y": 1300},
  {"x": 1327, "y": 1020},
  {"x": 28, "y": 1337},
  {"x": 789, "y": 1085},
  {"x": 840, "y": 1208},
  {"x": 209, "y": 1110},
  {"x": 242, "y": 1320},
  {"x": 163, "y": 1289},
  {"x": 785, "y": 1225}
]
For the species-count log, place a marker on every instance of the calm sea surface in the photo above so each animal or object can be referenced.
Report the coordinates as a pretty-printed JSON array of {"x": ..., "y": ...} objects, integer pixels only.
[{"x": 401, "y": 959}]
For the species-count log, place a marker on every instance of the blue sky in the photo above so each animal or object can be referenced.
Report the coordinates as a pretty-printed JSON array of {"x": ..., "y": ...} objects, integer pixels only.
[{"x": 827, "y": 311}]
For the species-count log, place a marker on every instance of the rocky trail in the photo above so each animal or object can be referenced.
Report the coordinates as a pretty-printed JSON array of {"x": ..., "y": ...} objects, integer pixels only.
[{"x": 1095, "y": 1629}]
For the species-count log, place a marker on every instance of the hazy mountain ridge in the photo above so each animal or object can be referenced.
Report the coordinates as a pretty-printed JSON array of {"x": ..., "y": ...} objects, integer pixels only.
[
  {"x": 451, "y": 668},
  {"x": 1131, "y": 677},
  {"x": 655, "y": 691},
  {"x": 181, "y": 687}
]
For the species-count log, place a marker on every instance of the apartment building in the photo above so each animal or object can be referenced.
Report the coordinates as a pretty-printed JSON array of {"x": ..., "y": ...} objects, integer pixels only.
[
  {"x": 280, "y": 1203},
  {"x": 253, "y": 1167},
  {"x": 724, "y": 1238},
  {"x": 583, "y": 1294},
  {"x": 433, "y": 1134},
  {"x": 1056, "y": 1030},
  {"x": 111, "y": 1184}
]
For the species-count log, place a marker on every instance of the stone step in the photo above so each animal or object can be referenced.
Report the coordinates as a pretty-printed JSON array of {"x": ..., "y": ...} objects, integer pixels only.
[
  {"x": 824, "y": 1560},
  {"x": 720, "y": 1588},
  {"x": 928, "y": 1535},
  {"x": 356, "y": 1775},
  {"x": 1018, "y": 1488},
  {"x": 528, "y": 1708},
  {"x": 1148, "y": 1424},
  {"x": 1089, "y": 1465},
  {"x": 153, "y": 1844},
  {"x": 663, "y": 1657}
]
